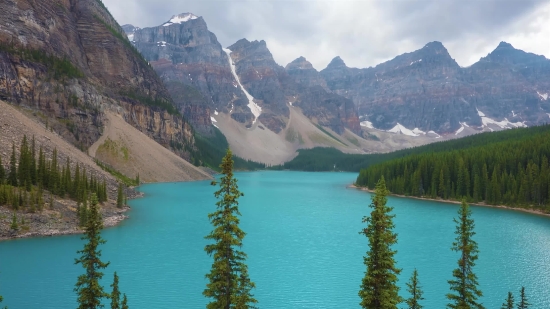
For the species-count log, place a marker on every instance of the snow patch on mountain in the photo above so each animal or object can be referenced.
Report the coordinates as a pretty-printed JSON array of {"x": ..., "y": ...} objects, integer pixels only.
[
  {"x": 366, "y": 124},
  {"x": 254, "y": 108},
  {"x": 216, "y": 112},
  {"x": 433, "y": 132},
  {"x": 415, "y": 62},
  {"x": 212, "y": 119},
  {"x": 504, "y": 124},
  {"x": 481, "y": 114},
  {"x": 181, "y": 18},
  {"x": 459, "y": 130},
  {"x": 513, "y": 114},
  {"x": 401, "y": 129},
  {"x": 543, "y": 96},
  {"x": 418, "y": 131}
]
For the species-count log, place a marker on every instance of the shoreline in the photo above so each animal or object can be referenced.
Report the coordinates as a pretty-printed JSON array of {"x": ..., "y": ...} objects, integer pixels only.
[
  {"x": 525, "y": 210},
  {"x": 113, "y": 218}
]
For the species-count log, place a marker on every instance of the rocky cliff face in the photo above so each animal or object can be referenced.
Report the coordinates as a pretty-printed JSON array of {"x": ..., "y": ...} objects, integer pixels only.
[
  {"x": 184, "y": 52},
  {"x": 69, "y": 60},
  {"x": 426, "y": 89}
]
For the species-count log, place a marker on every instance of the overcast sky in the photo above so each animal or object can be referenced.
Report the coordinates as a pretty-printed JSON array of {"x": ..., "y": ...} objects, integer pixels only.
[{"x": 362, "y": 32}]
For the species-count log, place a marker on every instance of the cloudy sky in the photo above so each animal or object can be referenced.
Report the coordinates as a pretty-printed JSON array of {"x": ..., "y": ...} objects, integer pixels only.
[{"x": 362, "y": 32}]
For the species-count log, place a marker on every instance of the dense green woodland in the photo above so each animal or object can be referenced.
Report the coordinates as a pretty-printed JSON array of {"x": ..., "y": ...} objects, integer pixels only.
[
  {"x": 28, "y": 175},
  {"x": 509, "y": 167},
  {"x": 330, "y": 159}
]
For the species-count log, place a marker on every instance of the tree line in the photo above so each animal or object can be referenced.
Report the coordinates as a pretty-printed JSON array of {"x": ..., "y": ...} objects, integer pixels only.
[
  {"x": 511, "y": 172},
  {"x": 29, "y": 175}
]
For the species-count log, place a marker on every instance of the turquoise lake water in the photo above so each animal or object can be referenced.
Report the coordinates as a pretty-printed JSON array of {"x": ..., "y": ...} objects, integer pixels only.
[{"x": 303, "y": 246}]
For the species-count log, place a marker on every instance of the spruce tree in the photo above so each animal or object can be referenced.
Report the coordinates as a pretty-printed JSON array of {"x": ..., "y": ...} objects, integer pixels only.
[
  {"x": 229, "y": 285},
  {"x": 124, "y": 304},
  {"x": 120, "y": 197},
  {"x": 87, "y": 287},
  {"x": 2, "y": 172},
  {"x": 413, "y": 287},
  {"x": 115, "y": 294},
  {"x": 509, "y": 303},
  {"x": 14, "y": 225},
  {"x": 523, "y": 303},
  {"x": 464, "y": 285},
  {"x": 12, "y": 176},
  {"x": 379, "y": 288}
]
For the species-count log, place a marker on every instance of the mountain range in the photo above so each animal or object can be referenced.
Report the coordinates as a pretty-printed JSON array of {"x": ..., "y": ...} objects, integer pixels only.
[{"x": 423, "y": 95}]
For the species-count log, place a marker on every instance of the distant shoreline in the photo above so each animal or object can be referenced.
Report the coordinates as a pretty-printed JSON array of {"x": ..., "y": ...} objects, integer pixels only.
[{"x": 530, "y": 211}]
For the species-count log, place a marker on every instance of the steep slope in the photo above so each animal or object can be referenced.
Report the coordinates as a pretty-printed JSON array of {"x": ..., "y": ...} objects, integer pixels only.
[
  {"x": 427, "y": 90},
  {"x": 135, "y": 153},
  {"x": 184, "y": 52},
  {"x": 70, "y": 60},
  {"x": 60, "y": 218}
]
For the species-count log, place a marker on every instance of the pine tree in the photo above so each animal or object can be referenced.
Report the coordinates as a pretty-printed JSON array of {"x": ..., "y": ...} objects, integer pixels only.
[
  {"x": 2, "y": 172},
  {"x": 115, "y": 294},
  {"x": 124, "y": 304},
  {"x": 464, "y": 285},
  {"x": 12, "y": 176},
  {"x": 379, "y": 288},
  {"x": 33, "y": 168},
  {"x": 120, "y": 197},
  {"x": 87, "y": 287},
  {"x": 523, "y": 303},
  {"x": 14, "y": 225},
  {"x": 509, "y": 303},
  {"x": 229, "y": 284},
  {"x": 413, "y": 287}
]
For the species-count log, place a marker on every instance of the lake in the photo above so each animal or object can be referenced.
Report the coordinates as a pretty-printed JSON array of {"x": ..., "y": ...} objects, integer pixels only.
[{"x": 303, "y": 246}]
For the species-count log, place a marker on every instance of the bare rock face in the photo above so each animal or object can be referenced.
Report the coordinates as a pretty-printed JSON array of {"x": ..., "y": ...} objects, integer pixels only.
[
  {"x": 70, "y": 60},
  {"x": 184, "y": 52},
  {"x": 187, "y": 56},
  {"x": 303, "y": 73},
  {"x": 427, "y": 89}
]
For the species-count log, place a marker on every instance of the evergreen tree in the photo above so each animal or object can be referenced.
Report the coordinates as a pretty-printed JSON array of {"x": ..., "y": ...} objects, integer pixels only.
[
  {"x": 464, "y": 285},
  {"x": 87, "y": 287},
  {"x": 12, "y": 176},
  {"x": 120, "y": 197},
  {"x": 33, "y": 168},
  {"x": 523, "y": 303},
  {"x": 124, "y": 304},
  {"x": 2, "y": 172},
  {"x": 14, "y": 225},
  {"x": 115, "y": 294},
  {"x": 509, "y": 303},
  {"x": 413, "y": 287},
  {"x": 379, "y": 288},
  {"x": 229, "y": 285}
]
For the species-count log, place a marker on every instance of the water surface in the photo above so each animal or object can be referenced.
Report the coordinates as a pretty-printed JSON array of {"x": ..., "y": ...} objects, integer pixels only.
[{"x": 303, "y": 246}]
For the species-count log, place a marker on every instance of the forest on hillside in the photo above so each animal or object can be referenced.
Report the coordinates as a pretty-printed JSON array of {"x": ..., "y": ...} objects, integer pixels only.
[
  {"x": 330, "y": 159},
  {"x": 509, "y": 167}
]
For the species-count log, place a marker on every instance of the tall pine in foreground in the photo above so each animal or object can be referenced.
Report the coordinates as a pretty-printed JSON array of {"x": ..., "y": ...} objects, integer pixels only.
[
  {"x": 509, "y": 303},
  {"x": 464, "y": 285},
  {"x": 379, "y": 288},
  {"x": 115, "y": 294},
  {"x": 523, "y": 303},
  {"x": 89, "y": 290},
  {"x": 413, "y": 287},
  {"x": 229, "y": 285}
]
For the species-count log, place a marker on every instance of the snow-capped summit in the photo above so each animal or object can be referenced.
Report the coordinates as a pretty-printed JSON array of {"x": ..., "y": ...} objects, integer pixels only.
[{"x": 181, "y": 18}]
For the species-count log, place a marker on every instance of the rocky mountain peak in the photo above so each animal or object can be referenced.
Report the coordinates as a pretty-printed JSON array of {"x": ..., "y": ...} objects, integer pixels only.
[
  {"x": 299, "y": 63},
  {"x": 504, "y": 45},
  {"x": 336, "y": 62},
  {"x": 180, "y": 18}
]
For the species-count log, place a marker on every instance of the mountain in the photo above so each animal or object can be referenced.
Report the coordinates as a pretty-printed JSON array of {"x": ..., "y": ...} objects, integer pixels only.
[
  {"x": 244, "y": 83},
  {"x": 427, "y": 90},
  {"x": 70, "y": 63}
]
